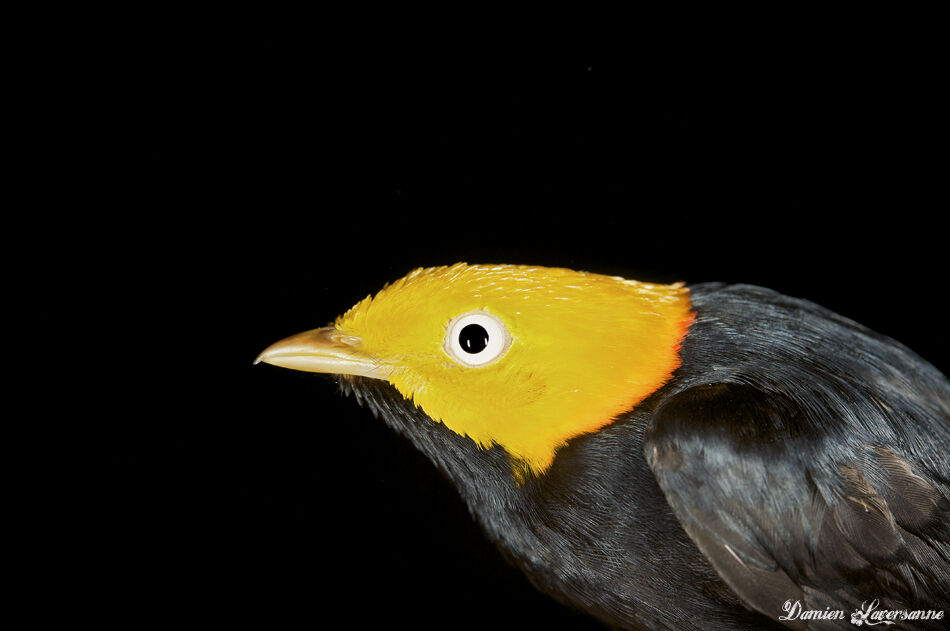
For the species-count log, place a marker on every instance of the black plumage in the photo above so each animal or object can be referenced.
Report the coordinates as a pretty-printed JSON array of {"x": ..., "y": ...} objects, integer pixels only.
[{"x": 794, "y": 456}]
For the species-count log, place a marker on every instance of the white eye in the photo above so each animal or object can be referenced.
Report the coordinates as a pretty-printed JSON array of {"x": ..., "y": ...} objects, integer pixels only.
[{"x": 476, "y": 339}]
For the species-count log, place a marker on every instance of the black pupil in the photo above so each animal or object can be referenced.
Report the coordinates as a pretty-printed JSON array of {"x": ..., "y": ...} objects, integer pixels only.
[{"x": 473, "y": 338}]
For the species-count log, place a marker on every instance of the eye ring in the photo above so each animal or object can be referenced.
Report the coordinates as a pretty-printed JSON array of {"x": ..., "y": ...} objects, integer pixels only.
[{"x": 476, "y": 339}]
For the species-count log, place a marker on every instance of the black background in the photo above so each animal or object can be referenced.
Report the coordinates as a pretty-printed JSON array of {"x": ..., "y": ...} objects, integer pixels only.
[{"x": 264, "y": 182}]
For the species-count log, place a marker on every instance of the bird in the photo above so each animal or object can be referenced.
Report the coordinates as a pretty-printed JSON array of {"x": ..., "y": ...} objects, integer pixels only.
[{"x": 664, "y": 456}]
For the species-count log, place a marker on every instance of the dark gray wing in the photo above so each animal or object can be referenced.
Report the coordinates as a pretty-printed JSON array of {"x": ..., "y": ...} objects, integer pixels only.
[{"x": 787, "y": 511}]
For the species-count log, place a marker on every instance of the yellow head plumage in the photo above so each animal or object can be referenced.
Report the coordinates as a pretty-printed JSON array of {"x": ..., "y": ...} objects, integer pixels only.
[{"x": 550, "y": 353}]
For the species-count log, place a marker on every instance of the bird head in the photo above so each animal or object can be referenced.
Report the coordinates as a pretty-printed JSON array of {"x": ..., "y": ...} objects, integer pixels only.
[{"x": 523, "y": 358}]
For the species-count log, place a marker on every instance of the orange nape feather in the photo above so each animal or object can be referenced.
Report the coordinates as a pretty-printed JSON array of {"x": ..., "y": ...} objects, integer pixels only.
[{"x": 583, "y": 348}]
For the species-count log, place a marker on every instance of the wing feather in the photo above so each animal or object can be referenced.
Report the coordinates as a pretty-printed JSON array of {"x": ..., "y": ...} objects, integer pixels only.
[{"x": 786, "y": 510}]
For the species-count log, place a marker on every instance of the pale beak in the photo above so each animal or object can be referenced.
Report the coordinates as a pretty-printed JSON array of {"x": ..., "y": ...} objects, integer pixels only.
[{"x": 324, "y": 350}]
